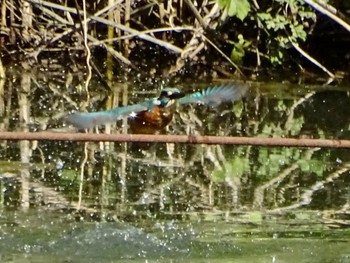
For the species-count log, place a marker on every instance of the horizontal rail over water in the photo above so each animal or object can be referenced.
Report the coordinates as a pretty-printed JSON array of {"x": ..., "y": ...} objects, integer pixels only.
[{"x": 191, "y": 139}]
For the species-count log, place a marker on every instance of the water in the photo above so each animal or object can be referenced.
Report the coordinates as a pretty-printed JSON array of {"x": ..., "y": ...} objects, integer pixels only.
[{"x": 116, "y": 202}]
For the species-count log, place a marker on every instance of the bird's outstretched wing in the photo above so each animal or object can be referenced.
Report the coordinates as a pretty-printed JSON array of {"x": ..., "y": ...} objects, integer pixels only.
[
  {"x": 87, "y": 120},
  {"x": 216, "y": 95},
  {"x": 212, "y": 96}
]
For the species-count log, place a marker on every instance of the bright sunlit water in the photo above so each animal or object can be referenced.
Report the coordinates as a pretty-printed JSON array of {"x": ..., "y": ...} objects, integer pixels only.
[{"x": 116, "y": 202}]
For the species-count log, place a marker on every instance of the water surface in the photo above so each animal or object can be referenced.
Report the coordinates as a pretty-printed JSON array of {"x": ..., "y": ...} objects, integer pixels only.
[{"x": 115, "y": 202}]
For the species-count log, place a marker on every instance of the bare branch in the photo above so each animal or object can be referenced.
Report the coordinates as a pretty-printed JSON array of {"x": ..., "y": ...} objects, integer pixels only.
[{"x": 329, "y": 11}]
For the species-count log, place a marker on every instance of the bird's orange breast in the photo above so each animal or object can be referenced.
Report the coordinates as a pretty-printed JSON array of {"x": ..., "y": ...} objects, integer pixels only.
[{"x": 149, "y": 122}]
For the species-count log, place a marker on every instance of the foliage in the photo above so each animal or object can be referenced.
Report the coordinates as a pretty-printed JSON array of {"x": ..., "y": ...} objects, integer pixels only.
[
  {"x": 276, "y": 27},
  {"x": 238, "y": 51},
  {"x": 243, "y": 33},
  {"x": 239, "y": 8},
  {"x": 233, "y": 169},
  {"x": 285, "y": 27}
]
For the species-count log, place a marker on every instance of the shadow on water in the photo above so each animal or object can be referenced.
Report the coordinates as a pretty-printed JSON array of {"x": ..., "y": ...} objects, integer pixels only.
[{"x": 109, "y": 202}]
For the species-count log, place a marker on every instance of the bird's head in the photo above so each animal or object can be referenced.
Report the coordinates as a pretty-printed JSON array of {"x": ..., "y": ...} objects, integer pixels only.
[
  {"x": 168, "y": 96},
  {"x": 170, "y": 93}
]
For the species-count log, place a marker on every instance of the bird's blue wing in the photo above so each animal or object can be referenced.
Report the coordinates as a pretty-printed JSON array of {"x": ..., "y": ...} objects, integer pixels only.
[
  {"x": 216, "y": 95},
  {"x": 87, "y": 120}
]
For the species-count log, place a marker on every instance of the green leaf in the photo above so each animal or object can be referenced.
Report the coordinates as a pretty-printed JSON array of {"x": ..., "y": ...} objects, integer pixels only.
[
  {"x": 237, "y": 54},
  {"x": 223, "y": 3},
  {"x": 238, "y": 51},
  {"x": 232, "y": 8},
  {"x": 298, "y": 32},
  {"x": 238, "y": 108},
  {"x": 264, "y": 16},
  {"x": 239, "y": 8},
  {"x": 243, "y": 8}
]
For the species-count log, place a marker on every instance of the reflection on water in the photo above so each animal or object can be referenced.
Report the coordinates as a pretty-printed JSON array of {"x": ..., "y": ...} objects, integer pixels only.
[{"x": 160, "y": 201}]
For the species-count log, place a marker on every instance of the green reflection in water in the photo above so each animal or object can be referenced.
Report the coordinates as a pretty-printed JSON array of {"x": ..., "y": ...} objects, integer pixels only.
[{"x": 171, "y": 202}]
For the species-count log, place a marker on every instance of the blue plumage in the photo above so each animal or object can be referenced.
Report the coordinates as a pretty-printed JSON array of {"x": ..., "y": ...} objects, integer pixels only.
[
  {"x": 82, "y": 120},
  {"x": 212, "y": 96}
]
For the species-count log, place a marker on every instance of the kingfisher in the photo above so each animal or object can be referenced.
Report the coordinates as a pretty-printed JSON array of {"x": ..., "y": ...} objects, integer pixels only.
[{"x": 155, "y": 114}]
